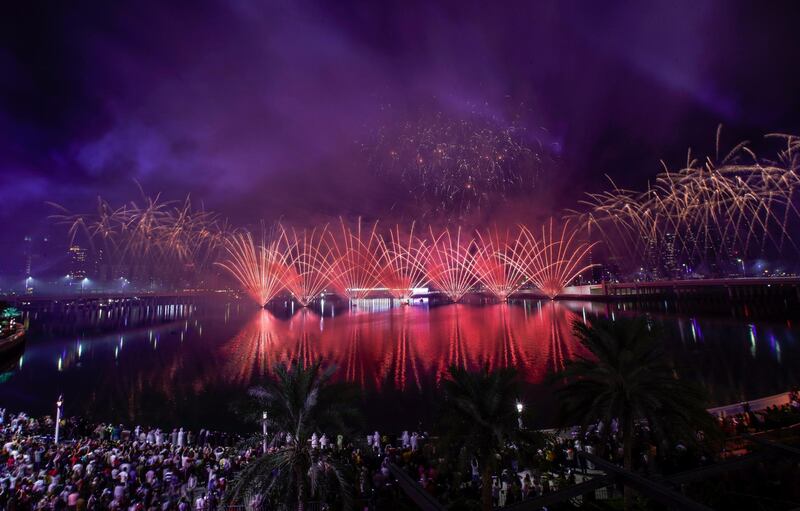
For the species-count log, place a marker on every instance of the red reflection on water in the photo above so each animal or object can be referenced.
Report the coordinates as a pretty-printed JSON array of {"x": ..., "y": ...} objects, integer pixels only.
[{"x": 408, "y": 347}]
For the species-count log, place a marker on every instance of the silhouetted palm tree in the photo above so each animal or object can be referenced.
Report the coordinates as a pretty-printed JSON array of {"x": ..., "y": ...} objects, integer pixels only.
[
  {"x": 299, "y": 401},
  {"x": 479, "y": 419},
  {"x": 628, "y": 378}
]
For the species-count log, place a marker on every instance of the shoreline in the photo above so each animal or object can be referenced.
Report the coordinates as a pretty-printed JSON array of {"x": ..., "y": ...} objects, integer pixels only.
[{"x": 731, "y": 409}]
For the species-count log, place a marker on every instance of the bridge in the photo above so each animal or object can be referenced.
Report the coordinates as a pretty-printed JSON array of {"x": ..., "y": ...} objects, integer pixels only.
[
  {"x": 15, "y": 299},
  {"x": 744, "y": 288}
]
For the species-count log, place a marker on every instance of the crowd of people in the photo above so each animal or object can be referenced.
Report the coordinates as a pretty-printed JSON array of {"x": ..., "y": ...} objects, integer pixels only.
[
  {"x": 105, "y": 466},
  {"x": 772, "y": 417},
  {"x": 557, "y": 464},
  {"x": 517, "y": 475}
]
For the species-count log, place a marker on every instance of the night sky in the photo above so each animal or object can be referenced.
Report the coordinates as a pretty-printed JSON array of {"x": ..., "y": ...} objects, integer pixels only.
[{"x": 259, "y": 109}]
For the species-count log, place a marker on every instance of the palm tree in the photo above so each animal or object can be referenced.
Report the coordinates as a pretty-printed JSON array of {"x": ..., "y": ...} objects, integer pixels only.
[
  {"x": 299, "y": 401},
  {"x": 628, "y": 378},
  {"x": 479, "y": 419}
]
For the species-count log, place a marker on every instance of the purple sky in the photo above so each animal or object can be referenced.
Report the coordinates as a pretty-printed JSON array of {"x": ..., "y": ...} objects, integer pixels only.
[{"x": 257, "y": 108}]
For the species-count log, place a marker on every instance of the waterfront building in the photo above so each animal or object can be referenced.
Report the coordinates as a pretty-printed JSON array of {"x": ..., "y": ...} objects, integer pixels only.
[{"x": 78, "y": 257}]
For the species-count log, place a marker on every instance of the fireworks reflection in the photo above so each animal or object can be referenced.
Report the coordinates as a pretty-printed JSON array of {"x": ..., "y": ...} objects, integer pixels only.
[{"x": 407, "y": 347}]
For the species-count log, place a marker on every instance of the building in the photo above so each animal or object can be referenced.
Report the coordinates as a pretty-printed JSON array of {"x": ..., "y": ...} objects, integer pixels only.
[
  {"x": 99, "y": 268},
  {"x": 78, "y": 266},
  {"x": 652, "y": 258},
  {"x": 669, "y": 255},
  {"x": 28, "y": 251}
]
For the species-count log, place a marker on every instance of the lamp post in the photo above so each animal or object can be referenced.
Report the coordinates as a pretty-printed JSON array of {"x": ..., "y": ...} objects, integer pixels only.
[
  {"x": 264, "y": 432},
  {"x": 741, "y": 261},
  {"x": 59, "y": 404},
  {"x": 520, "y": 407}
]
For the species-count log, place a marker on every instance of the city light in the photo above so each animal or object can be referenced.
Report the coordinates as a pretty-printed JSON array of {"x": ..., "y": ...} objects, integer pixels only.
[{"x": 738, "y": 203}]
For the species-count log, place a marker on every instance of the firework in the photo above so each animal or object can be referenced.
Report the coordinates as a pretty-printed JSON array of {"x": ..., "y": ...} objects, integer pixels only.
[
  {"x": 308, "y": 263},
  {"x": 553, "y": 260},
  {"x": 259, "y": 269},
  {"x": 403, "y": 261},
  {"x": 458, "y": 164},
  {"x": 450, "y": 265},
  {"x": 705, "y": 212},
  {"x": 354, "y": 271},
  {"x": 163, "y": 236},
  {"x": 499, "y": 262}
]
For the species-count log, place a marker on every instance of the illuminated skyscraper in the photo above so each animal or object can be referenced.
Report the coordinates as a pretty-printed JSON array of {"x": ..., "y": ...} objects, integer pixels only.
[
  {"x": 78, "y": 265},
  {"x": 669, "y": 257},
  {"x": 28, "y": 250}
]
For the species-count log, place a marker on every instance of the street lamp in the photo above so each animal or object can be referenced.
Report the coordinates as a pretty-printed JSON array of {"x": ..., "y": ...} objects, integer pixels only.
[
  {"x": 59, "y": 404},
  {"x": 741, "y": 261},
  {"x": 264, "y": 432},
  {"x": 520, "y": 407}
]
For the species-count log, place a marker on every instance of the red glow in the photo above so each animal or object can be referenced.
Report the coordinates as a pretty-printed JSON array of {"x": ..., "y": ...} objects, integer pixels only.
[
  {"x": 406, "y": 346},
  {"x": 496, "y": 263},
  {"x": 357, "y": 262},
  {"x": 403, "y": 260},
  {"x": 554, "y": 259},
  {"x": 259, "y": 269},
  {"x": 450, "y": 266},
  {"x": 355, "y": 268},
  {"x": 308, "y": 262}
]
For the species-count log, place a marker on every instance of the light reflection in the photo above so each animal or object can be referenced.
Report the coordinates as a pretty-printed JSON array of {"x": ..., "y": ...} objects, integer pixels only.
[
  {"x": 407, "y": 346},
  {"x": 378, "y": 345}
]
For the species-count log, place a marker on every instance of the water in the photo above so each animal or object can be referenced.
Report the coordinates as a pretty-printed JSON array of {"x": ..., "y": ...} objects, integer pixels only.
[{"x": 187, "y": 363}]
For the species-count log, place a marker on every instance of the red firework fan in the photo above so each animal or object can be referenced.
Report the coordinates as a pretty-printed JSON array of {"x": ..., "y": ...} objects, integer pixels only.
[
  {"x": 355, "y": 271},
  {"x": 555, "y": 259},
  {"x": 308, "y": 263},
  {"x": 498, "y": 262},
  {"x": 450, "y": 265},
  {"x": 259, "y": 269},
  {"x": 403, "y": 261}
]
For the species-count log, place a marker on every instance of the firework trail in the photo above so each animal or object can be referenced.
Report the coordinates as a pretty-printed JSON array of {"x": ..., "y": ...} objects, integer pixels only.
[
  {"x": 499, "y": 262},
  {"x": 707, "y": 211},
  {"x": 451, "y": 264},
  {"x": 553, "y": 260},
  {"x": 167, "y": 237},
  {"x": 458, "y": 164},
  {"x": 259, "y": 269},
  {"x": 308, "y": 263},
  {"x": 403, "y": 261},
  {"x": 355, "y": 271}
]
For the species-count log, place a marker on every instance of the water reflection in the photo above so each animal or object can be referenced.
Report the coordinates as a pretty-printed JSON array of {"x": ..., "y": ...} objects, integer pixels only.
[
  {"x": 407, "y": 346},
  {"x": 183, "y": 363}
]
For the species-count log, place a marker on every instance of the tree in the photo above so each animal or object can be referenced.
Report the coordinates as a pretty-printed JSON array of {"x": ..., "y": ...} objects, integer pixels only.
[
  {"x": 299, "y": 401},
  {"x": 479, "y": 419},
  {"x": 628, "y": 378},
  {"x": 9, "y": 312}
]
